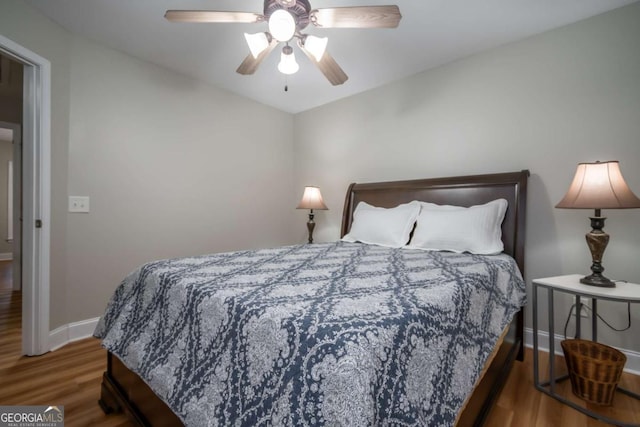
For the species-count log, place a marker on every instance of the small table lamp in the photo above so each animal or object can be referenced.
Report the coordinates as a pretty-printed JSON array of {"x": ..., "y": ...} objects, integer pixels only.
[
  {"x": 311, "y": 199},
  {"x": 598, "y": 186}
]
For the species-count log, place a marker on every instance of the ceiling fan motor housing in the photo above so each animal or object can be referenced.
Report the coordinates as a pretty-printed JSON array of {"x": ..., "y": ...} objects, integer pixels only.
[
  {"x": 286, "y": 3},
  {"x": 299, "y": 9}
]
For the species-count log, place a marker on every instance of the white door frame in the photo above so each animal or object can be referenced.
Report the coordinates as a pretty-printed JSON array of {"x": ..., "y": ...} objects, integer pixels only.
[{"x": 36, "y": 195}]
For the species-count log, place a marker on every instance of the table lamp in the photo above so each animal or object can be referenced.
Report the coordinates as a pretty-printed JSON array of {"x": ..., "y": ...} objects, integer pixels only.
[
  {"x": 311, "y": 199},
  {"x": 598, "y": 185}
]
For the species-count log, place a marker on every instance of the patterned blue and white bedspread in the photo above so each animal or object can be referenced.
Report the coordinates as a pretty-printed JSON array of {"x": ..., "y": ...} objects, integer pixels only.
[{"x": 336, "y": 334}]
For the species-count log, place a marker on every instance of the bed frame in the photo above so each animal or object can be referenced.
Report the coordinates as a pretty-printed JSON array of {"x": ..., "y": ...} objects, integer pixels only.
[
  {"x": 466, "y": 191},
  {"x": 123, "y": 390}
]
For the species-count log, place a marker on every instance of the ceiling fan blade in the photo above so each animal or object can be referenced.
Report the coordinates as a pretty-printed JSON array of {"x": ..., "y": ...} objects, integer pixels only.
[
  {"x": 327, "y": 65},
  {"x": 356, "y": 17},
  {"x": 250, "y": 64},
  {"x": 212, "y": 16}
]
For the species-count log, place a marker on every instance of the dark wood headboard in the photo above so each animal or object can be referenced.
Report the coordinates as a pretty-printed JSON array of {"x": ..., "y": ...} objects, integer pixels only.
[{"x": 459, "y": 191}]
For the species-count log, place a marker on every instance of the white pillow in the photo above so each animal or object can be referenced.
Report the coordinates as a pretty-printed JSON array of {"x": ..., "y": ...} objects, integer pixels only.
[
  {"x": 381, "y": 226},
  {"x": 476, "y": 229}
]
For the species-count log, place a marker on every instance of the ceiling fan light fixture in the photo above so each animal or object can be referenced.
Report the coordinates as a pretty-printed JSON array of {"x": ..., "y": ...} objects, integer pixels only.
[
  {"x": 282, "y": 25},
  {"x": 287, "y": 19},
  {"x": 288, "y": 64},
  {"x": 257, "y": 42},
  {"x": 316, "y": 46}
]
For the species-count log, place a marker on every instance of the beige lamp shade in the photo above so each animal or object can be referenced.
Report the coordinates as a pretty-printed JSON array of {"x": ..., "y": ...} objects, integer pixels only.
[
  {"x": 312, "y": 199},
  {"x": 599, "y": 185}
]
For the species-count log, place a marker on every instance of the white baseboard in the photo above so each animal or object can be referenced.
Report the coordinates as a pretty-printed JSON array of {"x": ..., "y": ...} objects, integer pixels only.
[
  {"x": 71, "y": 332},
  {"x": 633, "y": 358},
  {"x": 7, "y": 256}
]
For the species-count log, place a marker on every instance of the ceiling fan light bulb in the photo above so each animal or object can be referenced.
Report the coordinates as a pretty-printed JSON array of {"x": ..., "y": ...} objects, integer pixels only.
[
  {"x": 288, "y": 64},
  {"x": 257, "y": 42},
  {"x": 316, "y": 46},
  {"x": 282, "y": 25}
]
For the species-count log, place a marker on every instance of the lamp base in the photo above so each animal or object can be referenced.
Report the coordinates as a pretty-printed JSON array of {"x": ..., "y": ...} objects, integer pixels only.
[
  {"x": 598, "y": 280},
  {"x": 310, "y": 226},
  {"x": 597, "y": 241}
]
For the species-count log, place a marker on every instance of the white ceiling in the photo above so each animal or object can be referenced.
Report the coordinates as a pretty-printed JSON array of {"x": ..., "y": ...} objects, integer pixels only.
[{"x": 431, "y": 33}]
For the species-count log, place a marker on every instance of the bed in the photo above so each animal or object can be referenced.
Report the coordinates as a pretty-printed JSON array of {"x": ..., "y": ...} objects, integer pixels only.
[{"x": 317, "y": 343}]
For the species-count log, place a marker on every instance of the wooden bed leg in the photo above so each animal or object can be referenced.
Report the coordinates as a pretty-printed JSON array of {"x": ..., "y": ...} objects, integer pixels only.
[
  {"x": 520, "y": 335},
  {"x": 108, "y": 400},
  {"x": 119, "y": 384}
]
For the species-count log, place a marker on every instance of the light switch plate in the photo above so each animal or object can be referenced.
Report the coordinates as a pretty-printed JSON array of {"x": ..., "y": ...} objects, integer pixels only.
[{"x": 79, "y": 204}]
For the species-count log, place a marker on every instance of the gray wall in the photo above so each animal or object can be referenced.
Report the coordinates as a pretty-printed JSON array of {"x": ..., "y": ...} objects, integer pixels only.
[
  {"x": 543, "y": 104},
  {"x": 173, "y": 167}
]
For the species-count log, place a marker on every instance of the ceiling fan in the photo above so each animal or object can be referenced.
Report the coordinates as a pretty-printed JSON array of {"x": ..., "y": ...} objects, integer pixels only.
[{"x": 286, "y": 20}]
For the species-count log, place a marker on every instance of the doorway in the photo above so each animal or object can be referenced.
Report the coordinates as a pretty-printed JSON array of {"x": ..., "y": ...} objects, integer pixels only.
[
  {"x": 35, "y": 178},
  {"x": 11, "y": 108},
  {"x": 10, "y": 201}
]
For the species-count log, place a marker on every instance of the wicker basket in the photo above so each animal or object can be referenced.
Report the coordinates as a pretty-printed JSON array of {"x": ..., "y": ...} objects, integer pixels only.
[{"x": 594, "y": 370}]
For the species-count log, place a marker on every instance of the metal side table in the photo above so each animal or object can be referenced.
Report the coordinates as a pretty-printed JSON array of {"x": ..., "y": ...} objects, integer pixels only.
[{"x": 570, "y": 284}]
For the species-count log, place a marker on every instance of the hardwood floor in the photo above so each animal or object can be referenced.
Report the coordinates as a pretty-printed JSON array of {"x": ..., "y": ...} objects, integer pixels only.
[
  {"x": 520, "y": 404},
  {"x": 5, "y": 276},
  {"x": 71, "y": 377}
]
